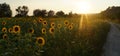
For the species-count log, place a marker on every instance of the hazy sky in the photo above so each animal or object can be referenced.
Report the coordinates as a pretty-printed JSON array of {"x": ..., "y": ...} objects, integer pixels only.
[{"x": 65, "y": 5}]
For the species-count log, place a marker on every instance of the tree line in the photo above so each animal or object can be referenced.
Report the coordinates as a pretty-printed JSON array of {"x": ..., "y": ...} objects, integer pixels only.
[
  {"x": 111, "y": 12},
  {"x": 22, "y": 11}
]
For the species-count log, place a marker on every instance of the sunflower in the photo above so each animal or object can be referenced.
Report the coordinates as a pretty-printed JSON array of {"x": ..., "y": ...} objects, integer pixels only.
[
  {"x": 44, "y": 23},
  {"x": 40, "y": 20},
  {"x": 51, "y": 30},
  {"x": 16, "y": 29},
  {"x": 72, "y": 24},
  {"x": 66, "y": 22},
  {"x": 70, "y": 27},
  {"x": 52, "y": 24},
  {"x": 3, "y": 23},
  {"x": 40, "y": 41},
  {"x": 4, "y": 29},
  {"x": 43, "y": 31},
  {"x": 10, "y": 30},
  {"x": 5, "y": 36},
  {"x": 34, "y": 21},
  {"x": 59, "y": 25},
  {"x": 31, "y": 30}
]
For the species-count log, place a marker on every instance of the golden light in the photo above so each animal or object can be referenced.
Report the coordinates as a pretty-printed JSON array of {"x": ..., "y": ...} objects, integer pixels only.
[{"x": 83, "y": 7}]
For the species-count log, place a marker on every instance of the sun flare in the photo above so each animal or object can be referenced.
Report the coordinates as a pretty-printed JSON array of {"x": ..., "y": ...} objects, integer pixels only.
[{"x": 83, "y": 7}]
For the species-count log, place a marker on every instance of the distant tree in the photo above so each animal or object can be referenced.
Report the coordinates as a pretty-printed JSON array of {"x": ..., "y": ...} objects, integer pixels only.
[
  {"x": 5, "y": 10},
  {"x": 112, "y": 12},
  {"x": 70, "y": 14},
  {"x": 39, "y": 12},
  {"x": 43, "y": 13},
  {"x": 60, "y": 13},
  {"x": 51, "y": 13},
  {"x": 22, "y": 11}
]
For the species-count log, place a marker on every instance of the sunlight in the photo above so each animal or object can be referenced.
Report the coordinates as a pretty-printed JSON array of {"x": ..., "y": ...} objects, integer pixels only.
[
  {"x": 83, "y": 22},
  {"x": 83, "y": 7}
]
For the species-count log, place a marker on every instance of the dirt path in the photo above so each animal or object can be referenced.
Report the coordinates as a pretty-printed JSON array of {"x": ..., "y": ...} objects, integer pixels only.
[{"x": 112, "y": 46}]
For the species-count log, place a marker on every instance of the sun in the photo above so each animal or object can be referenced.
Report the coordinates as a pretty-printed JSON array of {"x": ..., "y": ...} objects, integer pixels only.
[{"x": 83, "y": 7}]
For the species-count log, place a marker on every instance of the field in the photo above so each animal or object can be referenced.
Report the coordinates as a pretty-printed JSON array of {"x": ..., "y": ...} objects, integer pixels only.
[{"x": 35, "y": 36}]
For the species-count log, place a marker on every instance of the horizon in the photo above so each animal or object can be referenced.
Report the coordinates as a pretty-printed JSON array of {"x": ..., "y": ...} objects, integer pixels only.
[{"x": 64, "y": 5}]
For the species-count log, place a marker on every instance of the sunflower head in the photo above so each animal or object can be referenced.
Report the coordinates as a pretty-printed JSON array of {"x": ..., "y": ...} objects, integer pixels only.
[
  {"x": 51, "y": 30},
  {"x": 52, "y": 24},
  {"x": 59, "y": 25},
  {"x": 16, "y": 29},
  {"x": 44, "y": 23},
  {"x": 40, "y": 41},
  {"x": 40, "y": 20},
  {"x": 70, "y": 27},
  {"x": 31, "y": 30},
  {"x": 3, "y": 23},
  {"x": 72, "y": 24},
  {"x": 5, "y": 36},
  {"x": 4, "y": 29},
  {"x": 66, "y": 22},
  {"x": 10, "y": 30},
  {"x": 43, "y": 31}
]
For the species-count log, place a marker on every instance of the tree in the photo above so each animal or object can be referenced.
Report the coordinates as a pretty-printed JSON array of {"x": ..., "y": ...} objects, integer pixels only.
[
  {"x": 70, "y": 14},
  {"x": 51, "y": 13},
  {"x": 22, "y": 11},
  {"x": 39, "y": 12},
  {"x": 112, "y": 12},
  {"x": 5, "y": 10},
  {"x": 60, "y": 13},
  {"x": 43, "y": 13}
]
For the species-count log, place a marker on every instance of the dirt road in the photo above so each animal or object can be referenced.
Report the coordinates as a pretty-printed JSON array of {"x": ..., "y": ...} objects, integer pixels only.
[{"x": 112, "y": 45}]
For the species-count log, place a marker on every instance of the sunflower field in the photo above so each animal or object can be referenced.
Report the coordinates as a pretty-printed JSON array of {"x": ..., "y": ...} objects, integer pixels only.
[{"x": 36, "y": 36}]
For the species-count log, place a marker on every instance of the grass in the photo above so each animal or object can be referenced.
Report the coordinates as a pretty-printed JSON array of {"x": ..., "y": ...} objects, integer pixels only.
[
  {"x": 116, "y": 22},
  {"x": 87, "y": 41}
]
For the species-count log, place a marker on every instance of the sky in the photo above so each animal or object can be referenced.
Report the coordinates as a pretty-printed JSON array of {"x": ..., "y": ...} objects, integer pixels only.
[{"x": 96, "y": 6}]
